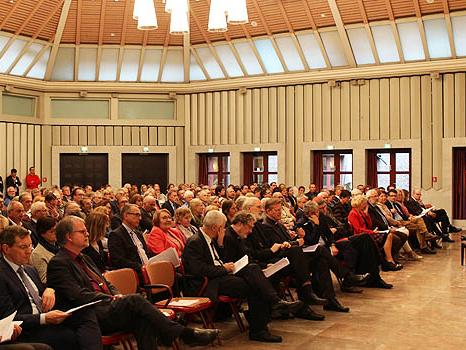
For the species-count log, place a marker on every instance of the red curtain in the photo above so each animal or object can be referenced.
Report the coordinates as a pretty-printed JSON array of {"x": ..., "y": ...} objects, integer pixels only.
[
  {"x": 318, "y": 170},
  {"x": 248, "y": 168},
  {"x": 203, "y": 166},
  {"x": 459, "y": 183},
  {"x": 371, "y": 176}
]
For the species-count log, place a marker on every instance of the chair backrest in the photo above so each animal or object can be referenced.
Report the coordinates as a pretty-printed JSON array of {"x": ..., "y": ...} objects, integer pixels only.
[
  {"x": 125, "y": 280},
  {"x": 159, "y": 272}
]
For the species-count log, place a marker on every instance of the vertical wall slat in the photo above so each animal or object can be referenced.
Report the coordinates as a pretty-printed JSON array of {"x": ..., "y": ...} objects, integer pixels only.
[
  {"x": 153, "y": 136},
  {"x": 384, "y": 109},
  {"x": 91, "y": 135},
  {"x": 395, "y": 108},
  {"x": 264, "y": 115},
  {"x": 180, "y": 147},
  {"x": 56, "y": 135},
  {"x": 135, "y": 136},
  {"x": 326, "y": 112},
  {"x": 364, "y": 100},
  {"x": 162, "y": 136},
  {"x": 24, "y": 167},
  {"x": 194, "y": 119},
  {"x": 208, "y": 118},
  {"x": 336, "y": 112},
  {"x": 216, "y": 118},
  {"x": 65, "y": 135},
  {"x": 405, "y": 108},
  {"x": 239, "y": 118},
  {"x": 224, "y": 126},
  {"x": 201, "y": 129},
  {"x": 281, "y": 114},
  {"x": 374, "y": 120},
  {"x": 231, "y": 127},
  {"x": 37, "y": 149},
  {"x": 317, "y": 112},
  {"x": 448, "y": 105},
  {"x": 17, "y": 148},
  {"x": 46, "y": 151},
  {"x": 355, "y": 112},
  {"x": 31, "y": 143},
  {"x": 290, "y": 130},
  {"x": 415, "y": 89},
  {"x": 170, "y": 136},
  {"x": 82, "y": 135},
  {"x": 126, "y": 136},
  {"x": 109, "y": 136},
  {"x": 144, "y": 130},
  {"x": 345, "y": 111},
  {"x": 308, "y": 114},
  {"x": 100, "y": 135},
  {"x": 437, "y": 131},
  {"x": 3, "y": 152},
  {"x": 299, "y": 135},
  {"x": 256, "y": 116},
  {"x": 426, "y": 127},
  {"x": 273, "y": 115},
  {"x": 247, "y": 126},
  {"x": 117, "y": 135},
  {"x": 74, "y": 135},
  {"x": 460, "y": 105}
]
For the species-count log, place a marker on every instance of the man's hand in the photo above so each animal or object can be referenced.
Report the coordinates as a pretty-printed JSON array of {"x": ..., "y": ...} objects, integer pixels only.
[
  {"x": 229, "y": 266},
  {"x": 315, "y": 219},
  {"x": 432, "y": 214},
  {"x": 334, "y": 250},
  {"x": 300, "y": 241},
  {"x": 276, "y": 247},
  {"x": 56, "y": 317},
  {"x": 48, "y": 299},
  {"x": 300, "y": 232},
  {"x": 16, "y": 332},
  {"x": 333, "y": 230},
  {"x": 285, "y": 245}
]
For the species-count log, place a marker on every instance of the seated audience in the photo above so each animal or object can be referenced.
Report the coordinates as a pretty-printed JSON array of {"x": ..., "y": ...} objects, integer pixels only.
[
  {"x": 97, "y": 224},
  {"x": 149, "y": 206},
  {"x": 47, "y": 246},
  {"x": 183, "y": 222},
  {"x": 197, "y": 210},
  {"x": 38, "y": 210},
  {"x": 171, "y": 204}
]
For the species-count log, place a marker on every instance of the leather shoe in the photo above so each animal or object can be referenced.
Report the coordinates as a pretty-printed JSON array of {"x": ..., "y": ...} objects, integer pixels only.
[
  {"x": 447, "y": 239},
  {"x": 355, "y": 280},
  {"x": 307, "y": 313},
  {"x": 265, "y": 337},
  {"x": 454, "y": 229},
  {"x": 287, "y": 307},
  {"x": 463, "y": 238},
  {"x": 201, "y": 337},
  {"x": 334, "y": 305},
  {"x": 307, "y": 295},
  {"x": 378, "y": 282},
  {"x": 389, "y": 266},
  {"x": 428, "y": 251},
  {"x": 434, "y": 244}
]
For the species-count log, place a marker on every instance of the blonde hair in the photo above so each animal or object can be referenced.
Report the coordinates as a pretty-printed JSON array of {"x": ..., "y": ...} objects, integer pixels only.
[
  {"x": 358, "y": 200},
  {"x": 96, "y": 223}
]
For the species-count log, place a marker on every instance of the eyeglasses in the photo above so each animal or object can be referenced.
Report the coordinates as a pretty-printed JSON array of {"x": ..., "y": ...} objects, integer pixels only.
[
  {"x": 80, "y": 231},
  {"x": 24, "y": 246},
  {"x": 136, "y": 214}
]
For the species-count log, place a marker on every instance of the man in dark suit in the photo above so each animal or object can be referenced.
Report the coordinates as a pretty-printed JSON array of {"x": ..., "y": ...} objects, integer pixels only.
[
  {"x": 13, "y": 180},
  {"x": 171, "y": 204},
  {"x": 340, "y": 209},
  {"x": 126, "y": 245},
  {"x": 147, "y": 212},
  {"x": 77, "y": 281},
  {"x": 21, "y": 290},
  {"x": 38, "y": 210},
  {"x": 203, "y": 256}
]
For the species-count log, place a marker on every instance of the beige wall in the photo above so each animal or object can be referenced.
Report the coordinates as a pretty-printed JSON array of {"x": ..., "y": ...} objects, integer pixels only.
[{"x": 425, "y": 114}]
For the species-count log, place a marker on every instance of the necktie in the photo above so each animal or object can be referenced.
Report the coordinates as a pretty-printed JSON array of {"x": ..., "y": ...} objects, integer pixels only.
[
  {"x": 217, "y": 260},
  {"x": 96, "y": 280},
  {"x": 30, "y": 288},
  {"x": 141, "y": 252}
]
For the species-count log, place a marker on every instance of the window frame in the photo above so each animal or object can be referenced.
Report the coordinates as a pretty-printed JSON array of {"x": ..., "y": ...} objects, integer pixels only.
[
  {"x": 393, "y": 172},
  {"x": 337, "y": 161},
  {"x": 220, "y": 173},
  {"x": 265, "y": 173}
]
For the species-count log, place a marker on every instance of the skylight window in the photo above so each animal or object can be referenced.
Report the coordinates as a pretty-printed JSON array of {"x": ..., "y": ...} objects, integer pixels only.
[
  {"x": 269, "y": 56},
  {"x": 210, "y": 63},
  {"x": 195, "y": 71},
  {"x": 437, "y": 38},
  {"x": 63, "y": 69},
  {"x": 10, "y": 55},
  {"x": 229, "y": 60},
  {"x": 108, "y": 64},
  {"x": 130, "y": 65},
  {"x": 151, "y": 66},
  {"x": 248, "y": 58},
  {"x": 312, "y": 52},
  {"x": 459, "y": 33},
  {"x": 334, "y": 48},
  {"x": 411, "y": 42},
  {"x": 87, "y": 64},
  {"x": 385, "y": 44},
  {"x": 38, "y": 70},
  {"x": 173, "y": 70},
  {"x": 361, "y": 46},
  {"x": 24, "y": 62},
  {"x": 290, "y": 53}
]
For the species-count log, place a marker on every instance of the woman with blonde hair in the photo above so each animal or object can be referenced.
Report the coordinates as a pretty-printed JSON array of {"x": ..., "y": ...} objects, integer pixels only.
[
  {"x": 164, "y": 235},
  {"x": 97, "y": 224}
]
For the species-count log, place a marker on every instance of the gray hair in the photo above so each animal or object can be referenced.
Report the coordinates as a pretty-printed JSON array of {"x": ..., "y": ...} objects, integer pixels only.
[
  {"x": 65, "y": 227},
  {"x": 249, "y": 202},
  {"x": 214, "y": 218},
  {"x": 310, "y": 207},
  {"x": 37, "y": 206}
]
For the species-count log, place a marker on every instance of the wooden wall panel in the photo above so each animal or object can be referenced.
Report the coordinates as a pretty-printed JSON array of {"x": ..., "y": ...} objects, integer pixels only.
[
  {"x": 426, "y": 127},
  {"x": 460, "y": 105},
  {"x": 405, "y": 108},
  {"x": 317, "y": 112},
  {"x": 239, "y": 125},
  {"x": 74, "y": 135},
  {"x": 216, "y": 118},
  {"x": 290, "y": 134},
  {"x": 364, "y": 111},
  {"x": 224, "y": 125},
  {"x": 308, "y": 114},
  {"x": 170, "y": 136},
  {"x": 37, "y": 149},
  {"x": 82, "y": 138},
  {"x": 144, "y": 135},
  {"x": 109, "y": 136},
  {"x": 17, "y": 147},
  {"x": 281, "y": 115},
  {"x": 355, "y": 112},
  {"x": 56, "y": 135},
  {"x": 247, "y": 124},
  {"x": 345, "y": 116},
  {"x": 326, "y": 112},
  {"x": 336, "y": 112},
  {"x": 126, "y": 136},
  {"x": 201, "y": 128},
  {"x": 448, "y": 105},
  {"x": 24, "y": 167},
  {"x": 437, "y": 131},
  {"x": 135, "y": 138},
  {"x": 65, "y": 135},
  {"x": 162, "y": 136},
  {"x": 232, "y": 111},
  {"x": 3, "y": 151},
  {"x": 153, "y": 136},
  {"x": 415, "y": 96},
  {"x": 264, "y": 115},
  {"x": 193, "y": 113},
  {"x": 384, "y": 109},
  {"x": 46, "y": 151},
  {"x": 92, "y": 135},
  {"x": 208, "y": 118},
  {"x": 118, "y": 136},
  {"x": 272, "y": 109},
  {"x": 256, "y": 116},
  {"x": 299, "y": 133},
  {"x": 31, "y": 144},
  {"x": 394, "y": 108},
  {"x": 374, "y": 101}
]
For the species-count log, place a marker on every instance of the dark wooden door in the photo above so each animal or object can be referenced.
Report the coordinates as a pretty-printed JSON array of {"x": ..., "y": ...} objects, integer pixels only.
[
  {"x": 138, "y": 169},
  {"x": 459, "y": 183},
  {"x": 84, "y": 169}
]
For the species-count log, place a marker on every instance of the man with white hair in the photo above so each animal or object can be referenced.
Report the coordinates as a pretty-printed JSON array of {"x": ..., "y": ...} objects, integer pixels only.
[
  {"x": 149, "y": 206},
  {"x": 38, "y": 210},
  {"x": 202, "y": 258}
]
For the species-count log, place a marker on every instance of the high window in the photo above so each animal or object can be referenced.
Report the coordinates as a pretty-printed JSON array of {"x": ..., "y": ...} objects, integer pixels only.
[
  {"x": 214, "y": 169},
  {"x": 389, "y": 167},
  {"x": 333, "y": 168},
  {"x": 260, "y": 167}
]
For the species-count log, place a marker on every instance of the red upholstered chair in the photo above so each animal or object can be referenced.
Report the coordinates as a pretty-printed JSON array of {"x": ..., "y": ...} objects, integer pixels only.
[{"x": 159, "y": 276}]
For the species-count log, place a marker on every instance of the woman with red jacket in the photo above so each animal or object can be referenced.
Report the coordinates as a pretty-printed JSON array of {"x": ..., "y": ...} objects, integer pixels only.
[
  {"x": 164, "y": 235},
  {"x": 361, "y": 222}
]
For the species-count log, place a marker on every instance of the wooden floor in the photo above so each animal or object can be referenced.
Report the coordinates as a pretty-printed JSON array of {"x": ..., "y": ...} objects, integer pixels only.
[{"x": 425, "y": 309}]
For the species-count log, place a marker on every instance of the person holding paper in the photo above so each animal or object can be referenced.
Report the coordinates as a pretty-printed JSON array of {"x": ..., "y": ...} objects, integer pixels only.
[
  {"x": 13, "y": 345},
  {"x": 77, "y": 281},
  {"x": 203, "y": 257},
  {"x": 21, "y": 290}
]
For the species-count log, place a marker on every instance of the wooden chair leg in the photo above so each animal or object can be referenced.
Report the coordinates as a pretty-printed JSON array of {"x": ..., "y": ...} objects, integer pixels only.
[{"x": 239, "y": 321}]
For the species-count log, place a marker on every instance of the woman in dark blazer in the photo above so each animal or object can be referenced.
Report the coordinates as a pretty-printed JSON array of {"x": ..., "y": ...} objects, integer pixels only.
[{"x": 97, "y": 224}]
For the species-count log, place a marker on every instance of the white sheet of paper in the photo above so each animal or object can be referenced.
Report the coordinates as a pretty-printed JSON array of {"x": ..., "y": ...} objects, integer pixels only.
[
  {"x": 311, "y": 248},
  {"x": 280, "y": 264},
  {"x": 70, "y": 311},
  {"x": 384, "y": 231},
  {"x": 241, "y": 263},
  {"x": 188, "y": 302},
  {"x": 6, "y": 327},
  {"x": 169, "y": 255},
  {"x": 424, "y": 212},
  {"x": 403, "y": 230}
]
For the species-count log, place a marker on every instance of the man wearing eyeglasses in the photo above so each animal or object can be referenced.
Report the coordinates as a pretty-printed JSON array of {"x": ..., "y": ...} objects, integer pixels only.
[
  {"x": 21, "y": 290},
  {"x": 126, "y": 244}
]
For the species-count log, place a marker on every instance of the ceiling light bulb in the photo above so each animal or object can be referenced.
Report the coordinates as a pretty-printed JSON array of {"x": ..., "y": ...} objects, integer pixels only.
[
  {"x": 179, "y": 22},
  {"x": 217, "y": 16},
  {"x": 237, "y": 12},
  {"x": 137, "y": 9},
  {"x": 147, "y": 19}
]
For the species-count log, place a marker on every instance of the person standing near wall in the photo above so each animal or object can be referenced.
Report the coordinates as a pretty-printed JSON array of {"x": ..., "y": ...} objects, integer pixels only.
[
  {"x": 13, "y": 180},
  {"x": 32, "y": 179}
]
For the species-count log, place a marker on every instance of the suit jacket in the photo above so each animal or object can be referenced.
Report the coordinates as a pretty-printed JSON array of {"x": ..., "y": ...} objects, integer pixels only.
[
  {"x": 16, "y": 183},
  {"x": 377, "y": 217},
  {"x": 414, "y": 207},
  {"x": 123, "y": 252},
  {"x": 360, "y": 222},
  {"x": 260, "y": 242},
  {"x": 14, "y": 296},
  {"x": 199, "y": 263},
  {"x": 169, "y": 206},
  {"x": 71, "y": 284},
  {"x": 146, "y": 221},
  {"x": 395, "y": 205},
  {"x": 40, "y": 258},
  {"x": 340, "y": 212},
  {"x": 31, "y": 226},
  {"x": 234, "y": 248}
]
